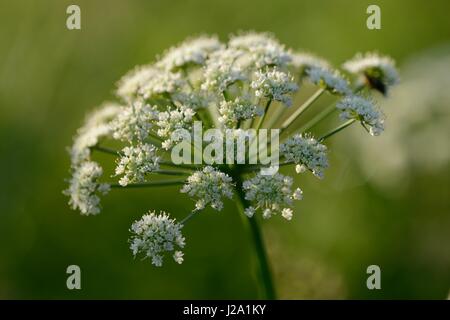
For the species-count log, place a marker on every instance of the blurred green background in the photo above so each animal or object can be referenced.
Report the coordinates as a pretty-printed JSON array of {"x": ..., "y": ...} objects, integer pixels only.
[{"x": 50, "y": 77}]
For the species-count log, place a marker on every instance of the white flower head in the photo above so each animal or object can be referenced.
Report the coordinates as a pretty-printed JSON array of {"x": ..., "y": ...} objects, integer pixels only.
[
  {"x": 304, "y": 61},
  {"x": 270, "y": 194},
  {"x": 221, "y": 70},
  {"x": 307, "y": 153},
  {"x": 241, "y": 108},
  {"x": 136, "y": 162},
  {"x": 263, "y": 48},
  {"x": 330, "y": 80},
  {"x": 84, "y": 188},
  {"x": 171, "y": 121},
  {"x": 274, "y": 84},
  {"x": 154, "y": 235},
  {"x": 209, "y": 186},
  {"x": 162, "y": 83},
  {"x": 363, "y": 110},
  {"x": 97, "y": 126},
  {"x": 190, "y": 52},
  {"x": 133, "y": 123},
  {"x": 378, "y": 72},
  {"x": 130, "y": 84}
]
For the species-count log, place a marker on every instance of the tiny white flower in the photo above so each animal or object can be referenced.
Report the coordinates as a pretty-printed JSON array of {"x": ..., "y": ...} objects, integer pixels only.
[
  {"x": 287, "y": 213},
  {"x": 249, "y": 212},
  {"x": 362, "y": 110},
  {"x": 84, "y": 188},
  {"x": 330, "y": 80},
  {"x": 274, "y": 84},
  {"x": 178, "y": 257},
  {"x": 209, "y": 186},
  {"x": 135, "y": 162},
  {"x": 154, "y": 235},
  {"x": 300, "y": 168},
  {"x": 298, "y": 194},
  {"x": 267, "y": 213},
  {"x": 307, "y": 153}
]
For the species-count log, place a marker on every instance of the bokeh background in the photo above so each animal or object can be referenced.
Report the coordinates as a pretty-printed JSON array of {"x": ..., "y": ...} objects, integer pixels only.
[{"x": 369, "y": 210}]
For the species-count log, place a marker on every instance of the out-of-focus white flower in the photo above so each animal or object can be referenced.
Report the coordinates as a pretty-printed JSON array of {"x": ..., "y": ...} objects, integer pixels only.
[
  {"x": 135, "y": 162},
  {"x": 190, "y": 52},
  {"x": 161, "y": 83},
  {"x": 287, "y": 213},
  {"x": 274, "y": 84},
  {"x": 270, "y": 194},
  {"x": 362, "y": 110},
  {"x": 178, "y": 257},
  {"x": 307, "y": 153},
  {"x": 330, "y": 80},
  {"x": 302, "y": 62},
  {"x": 418, "y": 116},
  {"x": 263, "y": 48},
  {"x": 134, "y": 122},
  {"x": 172, "y": 120},
  {"x": 249, "y": 212},
  {"x": 131, "y": 83},
  {"x": 241, "y": 108},
  {"x": 209, "y": 186},
  {"x": 154, "y": 235},
  {"x": 84, "y": 188},
  {"x": 97, "y": 126},
  {"x": 378, "y": 72}
]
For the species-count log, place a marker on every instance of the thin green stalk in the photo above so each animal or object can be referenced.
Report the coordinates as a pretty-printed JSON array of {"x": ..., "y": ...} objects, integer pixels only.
[
  {"x": 105, "y": 150},
  {"x": 268, "y": 290},
  {"x": 319, "y": 117},
  {"x": 189, "y": 216},
  {"x": 301, "y": 109},
  {"x": 266, "y": 109},
  {"x": 149, "y": 184},
  {"x": 258, "y": 125},
  {"x": 336, "y": 130},
  {"x": 172, "y": 172}
]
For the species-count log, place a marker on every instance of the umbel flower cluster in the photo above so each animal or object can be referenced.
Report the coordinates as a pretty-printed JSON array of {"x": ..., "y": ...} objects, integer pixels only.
[{"x": 252, "y": 81}]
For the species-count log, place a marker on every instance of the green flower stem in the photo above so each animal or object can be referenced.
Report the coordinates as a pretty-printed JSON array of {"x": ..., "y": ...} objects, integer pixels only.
[
  {"x": 301, "y": 109},
  {"x": 188, "y": 217},
  {"x": 149, "y": 184},
  {"x": 260, "y": 122},
  {"x": 263, "y": 117},
  {"x": 336, "y": 130},
  {"x": 294, "y": 116},
  {"x": 267, "y": 290},
  {"x": 319, "y": 117},
  {"x": 105, "y": 150},
  {"x": 172, "y": 172}
]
